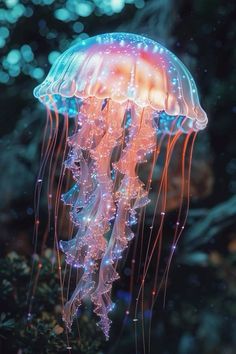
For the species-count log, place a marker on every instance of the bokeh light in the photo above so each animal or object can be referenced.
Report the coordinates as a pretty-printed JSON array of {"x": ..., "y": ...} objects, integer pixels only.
[{"x": 26, "y": 60}]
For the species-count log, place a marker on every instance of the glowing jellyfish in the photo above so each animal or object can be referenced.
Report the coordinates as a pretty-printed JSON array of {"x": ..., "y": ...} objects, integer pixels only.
[{"x": 126, "y": 93}]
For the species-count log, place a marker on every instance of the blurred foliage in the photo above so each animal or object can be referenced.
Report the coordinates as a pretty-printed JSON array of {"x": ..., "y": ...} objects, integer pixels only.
[
  {"x": 43, "y": 330},
  {"x": 188, "y": 324}
]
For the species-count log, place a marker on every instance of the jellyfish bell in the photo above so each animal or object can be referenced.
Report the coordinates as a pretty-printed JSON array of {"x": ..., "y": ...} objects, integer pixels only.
[
  {"x": 122, "y": 67},
  {"x": 125, "y": 93}
]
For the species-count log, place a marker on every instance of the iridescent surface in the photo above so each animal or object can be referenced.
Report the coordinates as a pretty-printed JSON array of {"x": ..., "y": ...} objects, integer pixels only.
[
  {"x": 126, "y": 93},
  {"x": 125, "y": 67}
]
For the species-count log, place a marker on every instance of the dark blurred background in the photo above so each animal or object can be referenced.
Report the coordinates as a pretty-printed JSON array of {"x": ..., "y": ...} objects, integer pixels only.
[{"x": 200, "y": 312}]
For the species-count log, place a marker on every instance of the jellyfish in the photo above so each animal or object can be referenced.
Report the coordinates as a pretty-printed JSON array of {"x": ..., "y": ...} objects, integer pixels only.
[{"x": 124, "y": 93}]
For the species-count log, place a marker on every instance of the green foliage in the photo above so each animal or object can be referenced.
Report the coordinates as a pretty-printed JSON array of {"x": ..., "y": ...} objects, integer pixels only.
[{"x": 44, "y": 331}]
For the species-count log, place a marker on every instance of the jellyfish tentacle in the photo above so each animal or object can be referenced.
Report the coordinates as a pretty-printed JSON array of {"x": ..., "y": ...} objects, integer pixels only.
[
  {"x": 84, "y": 199},
  {"x": 98, "y": 205},
  {"x": 130, "y": 196}
]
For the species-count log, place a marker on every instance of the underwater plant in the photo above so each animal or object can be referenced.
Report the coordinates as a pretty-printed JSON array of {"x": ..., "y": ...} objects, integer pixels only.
[{"x": 128, "y": 98}]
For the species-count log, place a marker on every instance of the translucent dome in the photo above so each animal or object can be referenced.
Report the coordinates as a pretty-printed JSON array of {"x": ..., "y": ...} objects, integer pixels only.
[{"x": 122, "y": 66}]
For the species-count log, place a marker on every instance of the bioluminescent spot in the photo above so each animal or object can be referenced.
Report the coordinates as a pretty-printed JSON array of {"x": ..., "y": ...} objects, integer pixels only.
[{"x": 130, "y": 99}]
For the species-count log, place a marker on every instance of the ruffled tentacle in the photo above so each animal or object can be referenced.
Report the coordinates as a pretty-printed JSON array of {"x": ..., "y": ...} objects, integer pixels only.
[
  {"x": 129, "y": 197},
  {"x": 91, "y": 199}
]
